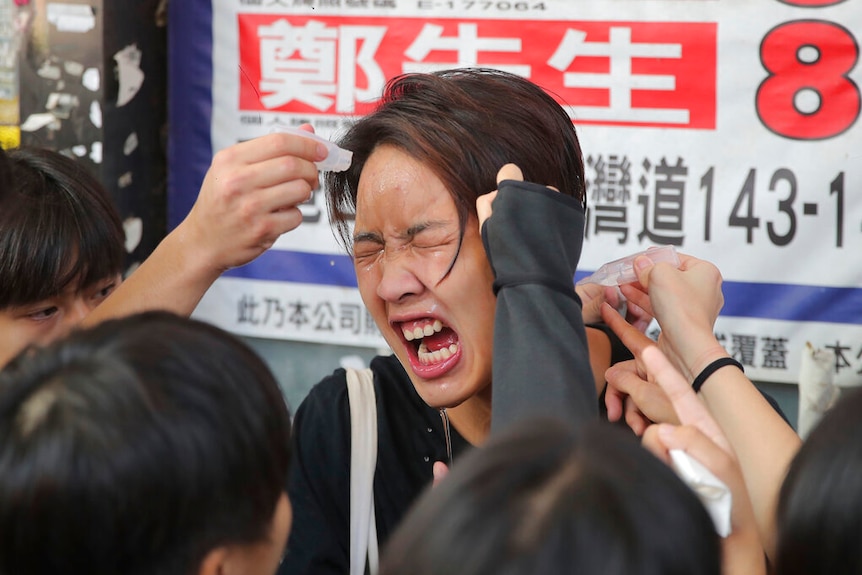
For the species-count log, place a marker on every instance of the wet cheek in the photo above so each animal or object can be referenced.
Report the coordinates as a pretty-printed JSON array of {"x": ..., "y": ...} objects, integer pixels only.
[{"x": 367, "y": 283}]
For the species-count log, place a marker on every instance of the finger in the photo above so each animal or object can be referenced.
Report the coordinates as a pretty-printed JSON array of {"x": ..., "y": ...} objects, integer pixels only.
[
  {"x": 275, "y": 145},
  {"x": 686, "y": 261},
  {"x": 243, "y": 181},
  {"x": 701, "y": 447},
  {"x": 592, "y": 296},
  {"x": 439, "y": 471},
  {"x": 278, "y": 223},
  {"x": 688, "y": 407},
  {"x": 631, "y": 337},
  {"x": 638, "y": 317},
  {"x": 652, "y": 441},
  {"x": 614, "y": 403},
  {"x": 636, "y": 420},
  {"x": 637, "y": 295},
  {"x": 274, "y": 171},
  {"x": 625, "y": 376},
  {"x": 278, "y": 198},
  {"x": 651, "y": 400},
  {"x": 510, "y": 172},
  {"x": 643, "y": 266},
  {"x": 483, "y": 206},
  {"x": 612, "y": 295}
]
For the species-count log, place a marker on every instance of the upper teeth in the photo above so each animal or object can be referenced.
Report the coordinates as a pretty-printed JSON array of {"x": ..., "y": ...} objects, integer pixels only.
[{"x": 418, "y": 332}]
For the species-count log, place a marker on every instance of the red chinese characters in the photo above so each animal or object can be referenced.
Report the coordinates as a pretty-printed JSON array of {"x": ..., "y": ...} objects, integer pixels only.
[{"x": 618, "y": 73}]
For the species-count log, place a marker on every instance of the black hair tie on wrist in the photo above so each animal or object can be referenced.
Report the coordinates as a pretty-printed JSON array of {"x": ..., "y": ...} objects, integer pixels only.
[{"x": 712, "y": 368}]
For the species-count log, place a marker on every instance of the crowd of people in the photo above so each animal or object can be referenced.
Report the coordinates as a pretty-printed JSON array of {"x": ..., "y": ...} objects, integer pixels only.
[{"x": 522, "y": 425}]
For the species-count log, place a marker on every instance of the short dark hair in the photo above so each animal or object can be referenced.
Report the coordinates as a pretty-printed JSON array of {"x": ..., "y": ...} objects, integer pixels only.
[
  {"x": 819, "y": 512},
  {"x": 464, "y": 124},
  {"x": 544, "y": 498},
  {"x": 136, "y": 447},
  {"x": 57, "y": 224}
]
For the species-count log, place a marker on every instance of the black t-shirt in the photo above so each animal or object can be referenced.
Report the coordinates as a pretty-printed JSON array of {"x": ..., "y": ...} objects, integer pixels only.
[{"x": 410, "y": 440}]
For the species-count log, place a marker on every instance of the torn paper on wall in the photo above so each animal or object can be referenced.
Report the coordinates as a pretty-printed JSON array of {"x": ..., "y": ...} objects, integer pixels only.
[
  {"x": 61, "y": 104},
  {"x": 38, "y": 121},
  {"x": 49, "y": 71},
  {"x": 129, "y": 74},
  {"x": 131, "y": 143},
  {"x": 134, "y": 229},
  {"x": 96, "y": 113},
  {"x": 71, "y": 17},
  {"x": 91, "y": 79},
  {"x": 125, "y": 180},
  {"x": 96, "y": 152},
  {"x": 817, "y": 392},
  {"x": 73, "y": 68}
]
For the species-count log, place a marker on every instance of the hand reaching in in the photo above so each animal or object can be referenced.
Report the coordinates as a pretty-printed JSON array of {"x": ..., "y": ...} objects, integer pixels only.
[
  {"x": 700, "y": 436},
  {"x": 250, "y": 196}
]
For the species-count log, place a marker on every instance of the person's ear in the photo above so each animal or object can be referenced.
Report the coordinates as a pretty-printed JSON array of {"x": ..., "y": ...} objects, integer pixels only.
[{"x": 215, "y": 562}]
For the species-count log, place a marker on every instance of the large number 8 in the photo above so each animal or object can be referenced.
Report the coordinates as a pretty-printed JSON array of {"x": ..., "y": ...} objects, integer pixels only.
[
  {"x": 807, "y": 95},
  {"x": 811, "y": 3}
]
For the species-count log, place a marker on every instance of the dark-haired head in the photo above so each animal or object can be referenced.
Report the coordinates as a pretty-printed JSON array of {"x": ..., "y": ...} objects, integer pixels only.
[
  {"x": 464, "y": 124},
  {"x": 57, "y": 225},
  {"x": 140, "y": 446},
  {"x": 61, "y": 247},
  {"x": 542, "y": 498},
  {"x": 820, "y": 504}
]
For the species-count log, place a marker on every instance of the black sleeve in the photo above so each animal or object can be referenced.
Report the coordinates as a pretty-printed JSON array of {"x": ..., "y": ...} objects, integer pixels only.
[
  {"x": 541, "y": 362},
  {"x": 318, "y": 482}
]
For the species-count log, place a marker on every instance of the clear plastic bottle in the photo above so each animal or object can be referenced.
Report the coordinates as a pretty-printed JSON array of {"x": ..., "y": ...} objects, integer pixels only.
[
  {"x": 622, "y": 271},
  {"x": 337, "y": 160}
]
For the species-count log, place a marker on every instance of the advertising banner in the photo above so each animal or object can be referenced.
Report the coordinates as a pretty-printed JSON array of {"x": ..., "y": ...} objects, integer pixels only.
[{"x": 727, "y": 129}]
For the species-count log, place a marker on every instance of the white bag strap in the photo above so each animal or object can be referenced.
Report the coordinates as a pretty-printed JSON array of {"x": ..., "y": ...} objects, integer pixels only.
[{"x": 363, "y": 462}]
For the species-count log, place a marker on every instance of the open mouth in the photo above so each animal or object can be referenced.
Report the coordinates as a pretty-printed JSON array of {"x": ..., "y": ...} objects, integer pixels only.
[{"x": 433, "y": 343}]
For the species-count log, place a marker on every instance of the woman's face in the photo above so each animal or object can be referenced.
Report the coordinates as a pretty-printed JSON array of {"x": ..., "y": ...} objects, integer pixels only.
[{"x": 405, "y": 238}]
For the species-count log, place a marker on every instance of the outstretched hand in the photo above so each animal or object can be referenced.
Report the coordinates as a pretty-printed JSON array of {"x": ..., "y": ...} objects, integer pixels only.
[
  {"x": 700, "y": 436},
  {"x": 630, "y": 390},
  {"x": 250, "y": 196},
  {"x": 686, "y": 302}
]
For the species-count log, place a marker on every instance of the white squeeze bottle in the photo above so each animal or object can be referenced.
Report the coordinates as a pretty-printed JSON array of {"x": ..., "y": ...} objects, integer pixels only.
[{"x": 337, "y": 160}]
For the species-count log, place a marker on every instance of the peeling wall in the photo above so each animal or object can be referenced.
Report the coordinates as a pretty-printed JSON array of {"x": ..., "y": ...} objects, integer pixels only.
[{"x": 92, "y": 84}]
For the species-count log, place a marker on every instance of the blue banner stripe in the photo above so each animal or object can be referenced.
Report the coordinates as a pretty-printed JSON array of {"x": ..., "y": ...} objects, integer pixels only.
[
  {"x": 788, "y": 302},
  {"x": 793, "y": 302},
  {"x": 299, "y": 267},
  {"x": 744, "y": 299}
]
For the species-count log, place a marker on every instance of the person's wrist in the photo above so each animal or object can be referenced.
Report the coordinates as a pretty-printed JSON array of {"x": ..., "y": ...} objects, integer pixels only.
[
  {"x": 713, "y": 367},
  {"x": 697, "y": 361},
  {"x": 196, "y": 257}
]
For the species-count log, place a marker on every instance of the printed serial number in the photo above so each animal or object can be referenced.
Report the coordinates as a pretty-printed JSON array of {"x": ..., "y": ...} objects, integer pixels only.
[{"x": 480, "y": 5}]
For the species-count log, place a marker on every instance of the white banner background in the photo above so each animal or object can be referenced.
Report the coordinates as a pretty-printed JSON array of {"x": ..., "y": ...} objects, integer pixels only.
[{"x": 794, "y": 278}]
